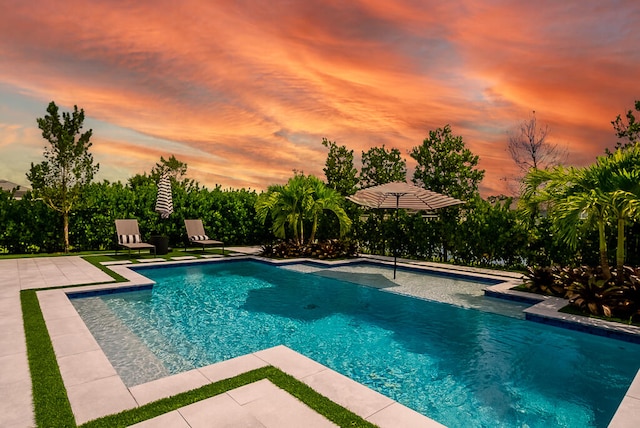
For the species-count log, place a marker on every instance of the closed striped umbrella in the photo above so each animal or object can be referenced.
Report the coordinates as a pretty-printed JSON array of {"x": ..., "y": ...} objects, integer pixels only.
[
  {"x": 399, "y": 194},
  {"x": 164, "y": 201}
]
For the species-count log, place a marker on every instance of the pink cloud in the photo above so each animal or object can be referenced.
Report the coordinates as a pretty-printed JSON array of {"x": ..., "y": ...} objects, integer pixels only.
[{"x": 244, "y": 92}]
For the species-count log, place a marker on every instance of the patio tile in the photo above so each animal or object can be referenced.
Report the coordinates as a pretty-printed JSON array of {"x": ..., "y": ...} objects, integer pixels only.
[
  {"x": 15, "y": 405},
  {"x": 10, "y": 309},
  {"x": 397, "y": 415},
  {"x": 67, "y": 325},
  {"x": 223, "y": 410},
  {"x": 85, "y": 367},
  {"x": 75, "y": 343},
  {"x": 52, "y": 298},
  {"x": 151, "y": 260},
  {"x": 167, "y": 386},
  {"x": 14, "y": 367},
  {"x": 116, "y": 262},
  {"x": 265, "y": 402},
  {"x": 183, "y": 258},
  {"x": 634, "y": 388},
  {"x": 290, "y": 362},
  {"x": 99, "y": 398},
  {"x": 628, "y": 414},
  {"x": 12, "y": 341},
  {"x": 232, "y": 367},
  {"x": 172, "y": 419},
  {"x": 348, "y": 393}
]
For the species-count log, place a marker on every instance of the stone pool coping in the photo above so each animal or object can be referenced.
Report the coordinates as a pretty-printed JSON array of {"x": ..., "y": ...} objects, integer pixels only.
[
  {"x": 544, "y": 308},
  {"x": 95, "y": 389}
]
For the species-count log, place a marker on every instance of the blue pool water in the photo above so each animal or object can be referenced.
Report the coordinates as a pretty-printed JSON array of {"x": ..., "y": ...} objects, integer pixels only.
[{"x": 461, "y": 367}]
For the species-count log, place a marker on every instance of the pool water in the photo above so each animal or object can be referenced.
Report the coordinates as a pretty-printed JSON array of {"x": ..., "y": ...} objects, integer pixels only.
[{"x": 462, "y": 367}]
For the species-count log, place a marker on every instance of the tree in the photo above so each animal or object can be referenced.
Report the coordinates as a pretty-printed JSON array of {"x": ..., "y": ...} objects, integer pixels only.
[
  {"x": 172, "y": 166},
  {"x": 446, "y": 166},
  {"x": 68, "y": 165},
  {"x": 339, "y": 170},
  {"x": 570, "y": 194},
  {"x": 530, "y": 149},
  {"x": 607, "y": 191},
  {"x": 302, "y": 200},
  {"x": 629, "y": 130},
  {"x": 381, "y": 166}
]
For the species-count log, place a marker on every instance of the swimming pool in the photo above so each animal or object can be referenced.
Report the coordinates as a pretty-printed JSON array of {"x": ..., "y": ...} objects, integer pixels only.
[{"x": 461, "y": 367}]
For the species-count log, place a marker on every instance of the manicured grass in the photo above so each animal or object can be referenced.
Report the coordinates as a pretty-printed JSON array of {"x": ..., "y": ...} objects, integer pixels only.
[
  {"x": 52, "y": 408},
  {"x": 50, "y": 402},
  {"x": 97, "y": 259},
  {"x": 311, "y": 398}
]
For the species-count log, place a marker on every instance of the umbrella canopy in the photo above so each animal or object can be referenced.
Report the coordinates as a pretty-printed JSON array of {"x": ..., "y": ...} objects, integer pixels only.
[
  {"x": 164, "y": 201},
  {"x": 399, "y": 194}
]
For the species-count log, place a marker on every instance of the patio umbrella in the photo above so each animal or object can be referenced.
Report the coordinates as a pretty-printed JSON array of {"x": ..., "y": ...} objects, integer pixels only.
[
  {"x": 399, "y": 194},
  {"x": 164, "y": 201}
]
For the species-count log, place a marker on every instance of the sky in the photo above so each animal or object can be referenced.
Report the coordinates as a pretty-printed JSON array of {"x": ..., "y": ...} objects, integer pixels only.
[{"x": 244, "y": 91}]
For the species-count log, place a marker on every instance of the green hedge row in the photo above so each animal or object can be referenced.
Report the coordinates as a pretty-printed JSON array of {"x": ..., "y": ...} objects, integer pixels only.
[{"x": 29, "y": 226}]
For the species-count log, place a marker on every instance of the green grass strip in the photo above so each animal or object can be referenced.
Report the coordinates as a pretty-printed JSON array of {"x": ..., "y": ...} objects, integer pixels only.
[
  {"x": 52, "y": 408},
  {"x": 50, "y": 401},
  {"x": 321, "y": 404}
]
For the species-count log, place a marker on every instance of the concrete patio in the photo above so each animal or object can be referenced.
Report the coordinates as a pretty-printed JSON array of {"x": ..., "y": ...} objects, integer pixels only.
[{"x": 95, "y": 390}]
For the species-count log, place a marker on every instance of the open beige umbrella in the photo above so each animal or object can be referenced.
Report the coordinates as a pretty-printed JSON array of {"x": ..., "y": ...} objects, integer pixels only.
[{"x": 399, "y": 194}]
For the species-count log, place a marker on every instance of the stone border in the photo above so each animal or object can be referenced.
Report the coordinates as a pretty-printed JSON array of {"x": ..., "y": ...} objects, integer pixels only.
[{"x": 95, "y": 389}]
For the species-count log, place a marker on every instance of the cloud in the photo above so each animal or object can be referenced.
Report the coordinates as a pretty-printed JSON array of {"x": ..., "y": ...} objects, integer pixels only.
[{"x": 244, "y": 91}]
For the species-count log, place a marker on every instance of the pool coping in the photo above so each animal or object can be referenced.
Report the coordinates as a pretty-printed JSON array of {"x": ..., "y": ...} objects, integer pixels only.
[
  {"x": 627, "y": 414},
  {"x": 95, "y": 389}
]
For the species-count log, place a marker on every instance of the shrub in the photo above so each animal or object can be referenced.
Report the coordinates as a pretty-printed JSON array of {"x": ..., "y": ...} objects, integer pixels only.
[{"x": 326, "y": 250}]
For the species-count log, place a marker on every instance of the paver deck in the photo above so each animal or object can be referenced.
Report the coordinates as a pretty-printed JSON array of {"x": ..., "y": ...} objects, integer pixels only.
[{"x": 95, "y": 389}]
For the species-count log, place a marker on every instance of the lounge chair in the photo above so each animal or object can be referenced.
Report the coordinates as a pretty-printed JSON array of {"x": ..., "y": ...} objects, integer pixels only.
[
  {"x": 129, "y": 236},
  {"x": 197, "y": 236}
]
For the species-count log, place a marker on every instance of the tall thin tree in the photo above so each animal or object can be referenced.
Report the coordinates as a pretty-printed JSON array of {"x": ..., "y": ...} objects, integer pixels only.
[{"x": 68, "y": 165}]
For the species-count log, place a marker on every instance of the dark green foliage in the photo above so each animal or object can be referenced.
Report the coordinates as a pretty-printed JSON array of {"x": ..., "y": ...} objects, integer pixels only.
[
  {"x": 50, "y": 402},
  {"x": 339, "y": 170},
  {"x": 547, "y": 280},
  {"x": 29, "y": 226},
  {"x": 446, "y": 166},
  {"x": 381, "y": 166},
  {"x": 325, "y": 250},
  {"x": 629, "y": 131},
  {"x": 588, "y": 289}
]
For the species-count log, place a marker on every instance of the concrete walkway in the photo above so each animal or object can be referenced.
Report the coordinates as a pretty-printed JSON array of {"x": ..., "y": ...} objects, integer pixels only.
[
  {"x": 21, "y": 274},
  {"x": 95, "y": 390}
]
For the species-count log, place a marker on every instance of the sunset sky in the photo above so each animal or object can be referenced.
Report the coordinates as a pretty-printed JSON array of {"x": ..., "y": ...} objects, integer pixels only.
[{"x": 244, "y": 91}]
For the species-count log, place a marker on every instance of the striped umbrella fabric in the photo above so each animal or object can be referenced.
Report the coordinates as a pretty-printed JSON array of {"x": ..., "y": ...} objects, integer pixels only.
[
  {"x": 164, "y": 201},
  {"x": 399, "y": 194}
]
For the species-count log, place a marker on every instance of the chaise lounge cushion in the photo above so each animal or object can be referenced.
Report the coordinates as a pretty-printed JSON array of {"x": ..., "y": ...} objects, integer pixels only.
[
  {"x": 199, "y": 238},
  {"x": 129, "y": 239}
]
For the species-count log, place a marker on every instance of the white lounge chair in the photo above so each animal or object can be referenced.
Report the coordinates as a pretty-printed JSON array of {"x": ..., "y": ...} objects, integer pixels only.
[
  {"x": 129, "y": 236},
  {"x": 196, "y": 235}
]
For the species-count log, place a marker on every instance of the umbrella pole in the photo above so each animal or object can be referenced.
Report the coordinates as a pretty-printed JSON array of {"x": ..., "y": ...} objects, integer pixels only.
[{"x": 395, "y": 242}]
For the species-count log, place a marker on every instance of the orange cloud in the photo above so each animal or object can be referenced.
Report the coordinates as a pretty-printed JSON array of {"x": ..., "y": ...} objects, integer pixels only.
[{"x": 244, "y": 92}]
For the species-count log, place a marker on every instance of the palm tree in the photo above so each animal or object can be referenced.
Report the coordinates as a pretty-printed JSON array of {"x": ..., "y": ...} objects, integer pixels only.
[
  {"x": 609, "y": 190},
  {"x": 571, "y": 195},
  {"x": 303, "y": 198},
  {"x": 326, "y": 198}
]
